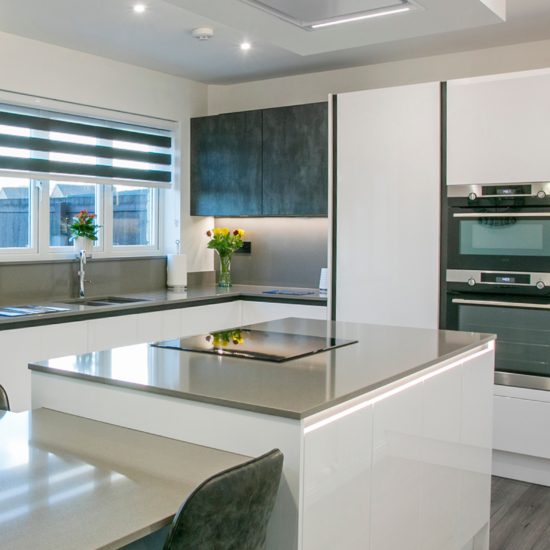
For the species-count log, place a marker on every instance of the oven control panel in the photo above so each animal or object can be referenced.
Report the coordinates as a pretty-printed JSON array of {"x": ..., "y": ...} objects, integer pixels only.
[{"x": 537, "y": 280}]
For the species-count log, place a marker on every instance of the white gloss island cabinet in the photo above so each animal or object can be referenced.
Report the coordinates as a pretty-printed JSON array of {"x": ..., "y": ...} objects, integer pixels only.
[
  {"x": 22, "y": 346},
  {"x": 499, "y": 129},
  {"x": 387, "y": 442},
  {"x": 388, "y": 206}
]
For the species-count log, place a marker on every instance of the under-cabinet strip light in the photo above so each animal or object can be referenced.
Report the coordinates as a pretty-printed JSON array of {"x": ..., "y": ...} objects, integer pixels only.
[
  {"x": 406, "y": 386},
  {"x": 359, "y": 18}
]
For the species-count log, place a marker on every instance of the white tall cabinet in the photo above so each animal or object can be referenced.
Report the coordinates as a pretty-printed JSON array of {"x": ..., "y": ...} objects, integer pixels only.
[
  {"x": 499, "y": 129},
  {"x": 388, "y": 206}
]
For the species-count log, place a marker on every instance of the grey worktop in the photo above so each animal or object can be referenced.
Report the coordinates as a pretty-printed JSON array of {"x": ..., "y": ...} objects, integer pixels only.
[
  {"x": 69, "y": 483},
  {"x": 159, "y": 300},
  {"x": 295, "y": 389}
]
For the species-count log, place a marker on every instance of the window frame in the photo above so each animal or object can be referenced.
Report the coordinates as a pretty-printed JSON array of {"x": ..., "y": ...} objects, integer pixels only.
[{"x": 40, "y": 249}]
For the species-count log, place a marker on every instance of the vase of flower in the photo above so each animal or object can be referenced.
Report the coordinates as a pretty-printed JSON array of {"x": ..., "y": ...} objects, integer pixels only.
[
  {"x": 225, "y": 242},
  {"x": 84, "y": 232},
  {"x": 225, "y": 270}
]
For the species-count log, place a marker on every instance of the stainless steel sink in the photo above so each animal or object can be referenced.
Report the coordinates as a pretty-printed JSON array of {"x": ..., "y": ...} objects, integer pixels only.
[{"x": 108, "y": 301}]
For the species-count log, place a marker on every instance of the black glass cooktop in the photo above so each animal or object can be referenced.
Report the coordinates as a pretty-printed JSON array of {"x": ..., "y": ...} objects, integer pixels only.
[{"x": 256, "y": 344}]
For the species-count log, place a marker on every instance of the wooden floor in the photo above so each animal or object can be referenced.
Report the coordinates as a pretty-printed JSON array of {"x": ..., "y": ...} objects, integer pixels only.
[{"x": 520, "y": 516}]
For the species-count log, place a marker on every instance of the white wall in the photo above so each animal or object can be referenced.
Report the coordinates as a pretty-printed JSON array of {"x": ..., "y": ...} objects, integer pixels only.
[
  {"x": 314, "y": 87},
  {"x": 36, "y": 68}
]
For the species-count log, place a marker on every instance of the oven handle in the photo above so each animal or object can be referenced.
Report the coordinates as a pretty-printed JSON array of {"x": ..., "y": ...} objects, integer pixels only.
[
  {"x": 513, "y": 215},
  {"x": 501, "y": 304}
]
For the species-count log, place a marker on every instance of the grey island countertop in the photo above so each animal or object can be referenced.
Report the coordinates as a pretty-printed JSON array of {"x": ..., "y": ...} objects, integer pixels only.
[
  {"x": 69, "y": 483},
  {"x": 158, "y": 301},
  {"x": 295, "y": 389}
]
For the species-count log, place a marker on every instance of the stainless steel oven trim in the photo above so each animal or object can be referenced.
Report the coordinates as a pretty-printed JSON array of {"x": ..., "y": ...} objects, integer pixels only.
[
  {"x": 510, "y": 215},
  {"x": 500, "y": 304},
  {"x": 465, "y": 275},
  {"x": 463, "y": 191},
  {"x": 522, "y": 381}
]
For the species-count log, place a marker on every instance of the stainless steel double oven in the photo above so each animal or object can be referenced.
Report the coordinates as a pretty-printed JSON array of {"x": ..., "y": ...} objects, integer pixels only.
[{"x": 498, "y": 275}]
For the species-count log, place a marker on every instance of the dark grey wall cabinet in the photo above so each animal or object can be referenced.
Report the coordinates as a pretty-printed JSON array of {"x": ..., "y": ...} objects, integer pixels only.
[
  {"x": 295, "y": 161},
  {"x": 226, "y": 165},
  {"x": 261, "y": 163}
]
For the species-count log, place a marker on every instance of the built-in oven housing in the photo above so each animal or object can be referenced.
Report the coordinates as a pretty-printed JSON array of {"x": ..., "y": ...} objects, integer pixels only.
[{"x": 497, "y": 276}]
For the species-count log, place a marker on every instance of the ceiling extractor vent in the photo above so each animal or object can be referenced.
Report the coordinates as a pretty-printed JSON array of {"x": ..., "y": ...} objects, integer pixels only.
[{"x": 317, "y": 14}]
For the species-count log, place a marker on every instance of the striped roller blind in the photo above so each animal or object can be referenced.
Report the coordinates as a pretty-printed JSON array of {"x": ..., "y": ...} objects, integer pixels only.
[{"x": 44, "y": 145}]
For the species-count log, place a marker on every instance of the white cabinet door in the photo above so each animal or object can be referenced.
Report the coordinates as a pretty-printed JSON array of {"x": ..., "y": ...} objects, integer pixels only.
[
  {"x": 337, "y": 484},
  {"x": 499, "y": 129},
  {"x": 19, "y": 347},
  {"x": 159, "y": 325},
  {"x": 112, "y": 332},
  {"x": 201, "y": 319},
  {"x": 388, "y": 215},
  {"x": 261, "y": 312},
  {"x": 64, "y": 339}
]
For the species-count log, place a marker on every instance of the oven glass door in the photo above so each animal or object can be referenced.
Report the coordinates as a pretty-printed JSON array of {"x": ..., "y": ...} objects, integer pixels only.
[
  {"x": 499, "y": 241},
  {"x": 523, "y": 343}
]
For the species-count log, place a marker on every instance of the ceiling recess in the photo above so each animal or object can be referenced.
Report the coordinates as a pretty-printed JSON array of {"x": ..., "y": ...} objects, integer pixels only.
[{"x": 315, "y": 14}]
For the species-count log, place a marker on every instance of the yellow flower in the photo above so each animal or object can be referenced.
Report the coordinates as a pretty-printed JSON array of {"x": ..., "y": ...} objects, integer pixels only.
[
  {"x": 217, "y": 231},
  {"x": 225, "y": 231},
  {"x": 241, "y": 232},
  {"x": 217, "y": 342}
]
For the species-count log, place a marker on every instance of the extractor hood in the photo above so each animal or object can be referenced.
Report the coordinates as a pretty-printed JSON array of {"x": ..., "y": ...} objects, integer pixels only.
[{"x": 316, "y": 14}]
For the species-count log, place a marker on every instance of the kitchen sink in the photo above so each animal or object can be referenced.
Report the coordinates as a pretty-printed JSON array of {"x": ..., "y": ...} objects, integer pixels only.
[{"x": 108, "y": 301}]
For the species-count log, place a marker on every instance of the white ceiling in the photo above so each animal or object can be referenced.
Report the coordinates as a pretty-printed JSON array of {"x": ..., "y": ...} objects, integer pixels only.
[{"x": 160, "y": 38}]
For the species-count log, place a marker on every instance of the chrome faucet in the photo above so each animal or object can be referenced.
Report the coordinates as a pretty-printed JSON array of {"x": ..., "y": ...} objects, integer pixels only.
[{"x": 81, "y": 273}]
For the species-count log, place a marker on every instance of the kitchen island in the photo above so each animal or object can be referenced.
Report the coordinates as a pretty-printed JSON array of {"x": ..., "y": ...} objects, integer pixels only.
[{"x": 387, "y": 441}]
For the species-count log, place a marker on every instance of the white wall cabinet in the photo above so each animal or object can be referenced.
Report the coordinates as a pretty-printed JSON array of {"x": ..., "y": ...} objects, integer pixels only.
[
  {"x": 499, "y": 129},
  {"x": 388, "y": 213},
  {"x": 261, "y": 312}
]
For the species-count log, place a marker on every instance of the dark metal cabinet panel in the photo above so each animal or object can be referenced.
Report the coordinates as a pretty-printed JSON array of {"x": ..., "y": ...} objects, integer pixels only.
[
  {"x": 295, "y": 160},
  {"x": 226, "y": 165}
]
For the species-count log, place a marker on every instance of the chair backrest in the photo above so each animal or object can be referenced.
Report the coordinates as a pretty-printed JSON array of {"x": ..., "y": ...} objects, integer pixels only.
[
  {"x": 4, "y": 403},
  {"x": 231, "y": 510}
]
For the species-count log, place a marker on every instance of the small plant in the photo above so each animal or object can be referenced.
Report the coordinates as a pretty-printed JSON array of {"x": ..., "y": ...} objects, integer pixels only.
[
  {"x": 225, "y": 242},
  {"x": 84, "y": 226}
]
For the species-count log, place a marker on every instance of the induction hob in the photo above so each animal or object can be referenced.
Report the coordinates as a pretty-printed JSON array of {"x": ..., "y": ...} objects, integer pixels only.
[{"x": 256, "y": 344}]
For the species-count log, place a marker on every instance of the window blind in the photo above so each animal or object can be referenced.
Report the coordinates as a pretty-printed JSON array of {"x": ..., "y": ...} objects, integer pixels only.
[{"x": 44, "y": 145}]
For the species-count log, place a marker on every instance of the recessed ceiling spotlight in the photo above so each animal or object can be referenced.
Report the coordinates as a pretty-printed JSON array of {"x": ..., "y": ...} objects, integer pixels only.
[
  {"x": 203, "y": 33},
  {"x": 139, "y": 8},
  {"x": 246, "y": 46}
]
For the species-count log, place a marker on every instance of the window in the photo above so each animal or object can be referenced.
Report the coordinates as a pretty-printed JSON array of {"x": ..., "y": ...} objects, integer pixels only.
[
  {"x": 53, "y": 165},
  {"x": 15, "y": 213}
]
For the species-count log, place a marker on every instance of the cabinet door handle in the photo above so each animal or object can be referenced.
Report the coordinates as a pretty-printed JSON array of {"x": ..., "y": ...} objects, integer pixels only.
[
  {"x": 511, "y": 215},
  {"x": 501, "y": 304}
]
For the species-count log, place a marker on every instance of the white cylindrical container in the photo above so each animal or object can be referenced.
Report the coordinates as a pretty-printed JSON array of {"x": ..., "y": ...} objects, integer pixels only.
[
  {"x": 177, "y": 271},
  {"x": 83, "y": 243}
]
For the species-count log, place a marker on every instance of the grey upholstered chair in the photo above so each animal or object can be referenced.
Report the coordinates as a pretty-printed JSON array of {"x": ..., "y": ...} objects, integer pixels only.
[
  {"x": 231, "y": 510},
  {"x": 4, "y": 403}
]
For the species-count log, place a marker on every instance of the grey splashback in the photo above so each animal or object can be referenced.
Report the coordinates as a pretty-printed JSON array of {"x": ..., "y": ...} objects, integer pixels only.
[
  {"x": 285, "y": 251},
  {"x": 26, "y": 282}
]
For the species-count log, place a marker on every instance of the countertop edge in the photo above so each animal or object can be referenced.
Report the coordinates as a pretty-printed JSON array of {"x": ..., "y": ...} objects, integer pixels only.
[{"x": 150, "y": 307}]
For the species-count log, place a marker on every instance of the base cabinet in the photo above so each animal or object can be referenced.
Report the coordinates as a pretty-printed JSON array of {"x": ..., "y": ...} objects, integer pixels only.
[
  {"x": 261, "y": 312},
  {"x": 410, "y": 472},
  {"x": 22, "y": 346}
]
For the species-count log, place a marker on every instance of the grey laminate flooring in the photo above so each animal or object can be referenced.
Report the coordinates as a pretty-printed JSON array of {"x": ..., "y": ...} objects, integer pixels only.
[{"x": 520, "y": 515}]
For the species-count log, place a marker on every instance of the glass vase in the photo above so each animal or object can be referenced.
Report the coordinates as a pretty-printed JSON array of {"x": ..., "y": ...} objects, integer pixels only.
[{"x": 225, "y": 270}]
